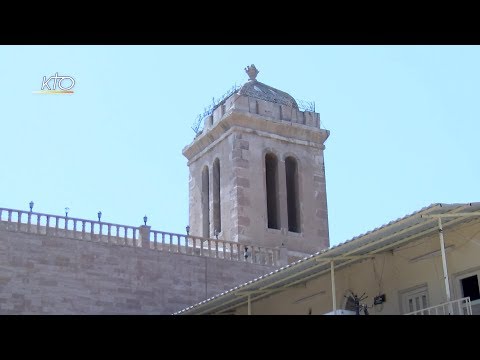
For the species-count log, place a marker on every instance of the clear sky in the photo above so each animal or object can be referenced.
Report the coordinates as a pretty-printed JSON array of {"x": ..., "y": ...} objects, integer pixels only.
[{"x": 404, "y": 123}]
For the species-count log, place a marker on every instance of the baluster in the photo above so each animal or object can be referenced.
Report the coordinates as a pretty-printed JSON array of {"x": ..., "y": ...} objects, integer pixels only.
[
  {"x": 100, "y": 226},
  {"x": 135, "y": 243},
  {"x": 163, "y": 241},
  {"x": 155, "y": 240},
  {"x": 56, "y": 226},
  {"x": 127, "y": 238},
  {"x": 223, "y": 245},
  {"x": 216, "y": 249},
  {"x": 19, "y": 219},
  {"x": 117, "y": 235},
  {"x": 92, "y": 228},
  {"x": 9, "y": 216},
  {"x": 201, "y": 247},
  {"x": 83, "y": 229},
  {"x": 38, "y": 223},
  {"x": 169, "y": 242},
  {"x": 209, "y": 244},
  {"x": 74, "y": 228},
  {"x": 109, "y": 233},
  {"x": 29, "y": 221},
  {"x": 47, "y": 225}
]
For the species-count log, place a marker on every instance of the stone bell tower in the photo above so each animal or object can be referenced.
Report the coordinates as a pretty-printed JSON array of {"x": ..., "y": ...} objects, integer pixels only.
[{"x": 257, "y": 172}]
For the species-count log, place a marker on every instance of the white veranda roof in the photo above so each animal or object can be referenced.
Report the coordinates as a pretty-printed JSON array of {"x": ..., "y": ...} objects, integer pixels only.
[{"x": 387, "y": 237}]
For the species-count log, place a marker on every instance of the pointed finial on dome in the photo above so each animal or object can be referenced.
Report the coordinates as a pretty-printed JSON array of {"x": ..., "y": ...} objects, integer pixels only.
[{"x": 251, "y": 72}]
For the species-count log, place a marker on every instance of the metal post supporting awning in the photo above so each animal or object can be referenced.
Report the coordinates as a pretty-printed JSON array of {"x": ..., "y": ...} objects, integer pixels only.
[
  {"x": 444, "y": 259},
  {"x": 442, "y": 248},
  {"x": 334, "y": 295}
]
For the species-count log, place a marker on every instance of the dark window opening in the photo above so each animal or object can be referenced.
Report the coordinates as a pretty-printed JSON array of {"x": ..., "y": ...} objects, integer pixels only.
[
  {"x": 271, "y": 177},
  {"x": 205, "y": 203},
  {"x": 217, "y": 220},
  {"x": 293, "y": 204},
  {"x": 470, "y": 287}
]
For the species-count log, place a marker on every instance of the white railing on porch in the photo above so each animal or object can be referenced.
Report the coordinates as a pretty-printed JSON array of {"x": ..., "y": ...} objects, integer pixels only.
[{"x": 461, "y": 306}]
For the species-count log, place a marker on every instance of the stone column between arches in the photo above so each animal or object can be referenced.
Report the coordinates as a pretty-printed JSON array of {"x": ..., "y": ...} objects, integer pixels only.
[{"x": 239, "y": 194}]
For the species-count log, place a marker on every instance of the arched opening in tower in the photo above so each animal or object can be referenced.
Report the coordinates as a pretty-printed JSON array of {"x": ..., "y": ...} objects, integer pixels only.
[
  {"x": 205, "y": 203},
  {"x": 217, "y": 219},
  {"x": 293, "y": 203},
  {"x": 271, "y": 177}
]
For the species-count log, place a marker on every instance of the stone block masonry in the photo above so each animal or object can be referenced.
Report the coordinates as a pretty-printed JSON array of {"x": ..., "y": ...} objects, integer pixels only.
[{"x": 44, "y": 273}]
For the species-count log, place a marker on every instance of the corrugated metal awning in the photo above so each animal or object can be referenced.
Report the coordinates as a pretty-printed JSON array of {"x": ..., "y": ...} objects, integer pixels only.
[{"x": 387, "y": 237}]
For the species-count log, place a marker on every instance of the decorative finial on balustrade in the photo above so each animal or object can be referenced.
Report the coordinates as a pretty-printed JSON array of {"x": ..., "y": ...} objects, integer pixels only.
[
  {"x": 99, "y": 215},
  {"x": 188, "y": 229},
  {"x": 145, "y": 220},
  {"x": 252, "y": 72},
  {"x": 31, "y": 205},
  {"x": 67, "y": 209}
]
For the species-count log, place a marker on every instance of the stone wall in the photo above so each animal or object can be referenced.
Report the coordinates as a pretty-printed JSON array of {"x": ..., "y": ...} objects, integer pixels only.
[{"x": 46, "y": 274}]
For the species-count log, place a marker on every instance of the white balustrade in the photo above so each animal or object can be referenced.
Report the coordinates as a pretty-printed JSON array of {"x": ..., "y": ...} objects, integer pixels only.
[{"x": 88, "y": 230}]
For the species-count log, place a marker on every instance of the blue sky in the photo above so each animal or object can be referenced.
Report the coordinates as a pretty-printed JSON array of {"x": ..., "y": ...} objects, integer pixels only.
[{"x": 404, "y": 123}]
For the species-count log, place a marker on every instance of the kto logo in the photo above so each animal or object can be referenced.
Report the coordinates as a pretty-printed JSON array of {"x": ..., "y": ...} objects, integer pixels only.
[{"x": 65, "y": 85}]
